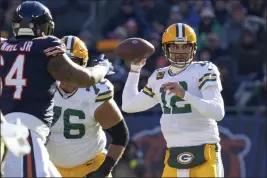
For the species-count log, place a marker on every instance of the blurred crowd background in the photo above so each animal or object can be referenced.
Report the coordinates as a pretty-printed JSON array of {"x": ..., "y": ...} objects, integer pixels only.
[{"x": 232, "y": 34}]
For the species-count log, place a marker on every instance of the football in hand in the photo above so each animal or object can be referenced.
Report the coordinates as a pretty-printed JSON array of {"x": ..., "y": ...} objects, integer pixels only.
[{"x": 134, "y": 49}]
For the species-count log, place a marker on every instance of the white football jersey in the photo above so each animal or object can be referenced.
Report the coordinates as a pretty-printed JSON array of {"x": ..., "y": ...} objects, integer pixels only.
[
  {"x": 182, "y": 124},
  {"x": 75, "y": 135}
]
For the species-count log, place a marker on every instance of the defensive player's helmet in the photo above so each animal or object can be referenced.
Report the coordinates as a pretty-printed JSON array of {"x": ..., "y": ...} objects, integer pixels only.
[
  {"x": 32, "y": 18},
  {"x": 179, "y": 34},
  {"x": 76, "y": 49}
]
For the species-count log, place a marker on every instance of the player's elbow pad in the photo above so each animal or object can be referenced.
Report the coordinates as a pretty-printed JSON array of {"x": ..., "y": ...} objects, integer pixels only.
[{"x": 119, "y": 134}]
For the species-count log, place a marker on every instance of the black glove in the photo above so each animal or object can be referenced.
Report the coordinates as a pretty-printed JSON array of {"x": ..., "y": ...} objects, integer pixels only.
[
  {"x": 104, "y": 62},
  {"x": 104, "y": 170}
]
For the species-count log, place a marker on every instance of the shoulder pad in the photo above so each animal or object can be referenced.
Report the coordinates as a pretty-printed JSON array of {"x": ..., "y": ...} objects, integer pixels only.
[
  {"x": 51, "y": 45},
  {"x": 205, "y": 66},
  {"x": 103, "y": 91},
  {"x": 209, "y": 75},
  {"x": 47, "y": 39},
  {"x": 210, "y": 67}
]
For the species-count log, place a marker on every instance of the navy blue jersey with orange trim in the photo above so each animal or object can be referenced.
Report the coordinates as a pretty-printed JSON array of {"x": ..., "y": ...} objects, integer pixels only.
[{"x": 27, "y": 86}]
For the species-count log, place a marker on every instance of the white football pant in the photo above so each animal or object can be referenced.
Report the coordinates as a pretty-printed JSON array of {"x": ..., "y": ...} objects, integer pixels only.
[{"x": 37, "y": 162}]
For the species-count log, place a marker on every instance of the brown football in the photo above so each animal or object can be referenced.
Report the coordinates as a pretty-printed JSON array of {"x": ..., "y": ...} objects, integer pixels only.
[{"x": 134, "y": 49}]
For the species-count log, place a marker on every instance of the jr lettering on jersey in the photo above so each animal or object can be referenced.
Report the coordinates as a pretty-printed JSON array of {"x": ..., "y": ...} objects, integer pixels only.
[{"x": 23, "y": 47}]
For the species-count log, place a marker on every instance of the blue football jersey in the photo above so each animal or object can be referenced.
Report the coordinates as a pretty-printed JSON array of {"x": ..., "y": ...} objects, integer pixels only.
[{"x": 27, "y": 86}]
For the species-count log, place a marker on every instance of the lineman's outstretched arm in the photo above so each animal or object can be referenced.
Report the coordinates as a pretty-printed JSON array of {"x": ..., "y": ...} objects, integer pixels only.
[{"x": 62, "y": 68}]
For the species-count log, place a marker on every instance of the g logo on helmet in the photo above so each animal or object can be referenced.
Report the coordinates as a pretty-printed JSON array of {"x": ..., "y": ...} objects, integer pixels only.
[{"x": 185, "y": 158}]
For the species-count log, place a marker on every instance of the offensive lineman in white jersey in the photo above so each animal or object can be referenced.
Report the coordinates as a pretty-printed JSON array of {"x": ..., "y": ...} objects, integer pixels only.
[
  {"x": 189, "y": 94},
  {"x": 77, "y": 142}
]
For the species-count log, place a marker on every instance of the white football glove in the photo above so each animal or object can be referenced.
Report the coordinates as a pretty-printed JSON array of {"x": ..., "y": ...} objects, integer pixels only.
[
  {"x": 137, "y": 66},
  {"x": 104, "y": 62},
  {"x": 15, "y": 137}
]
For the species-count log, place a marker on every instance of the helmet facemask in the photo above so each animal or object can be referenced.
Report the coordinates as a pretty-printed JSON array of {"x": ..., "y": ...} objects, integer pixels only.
[
  {"x": 180, "y": 54},
  {"x": 80, "y": 61},
  {"x": 47, "y": 28}
]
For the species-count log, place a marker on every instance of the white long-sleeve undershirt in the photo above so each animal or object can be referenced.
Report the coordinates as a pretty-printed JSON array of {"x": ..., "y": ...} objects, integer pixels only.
[
  {"x": 210, "y": 105},
  {"x": 132, "y": 100}
]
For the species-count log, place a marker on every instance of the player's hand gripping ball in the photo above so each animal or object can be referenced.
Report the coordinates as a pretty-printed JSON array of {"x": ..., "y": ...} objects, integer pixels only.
[{"x": 134, "y": 49}]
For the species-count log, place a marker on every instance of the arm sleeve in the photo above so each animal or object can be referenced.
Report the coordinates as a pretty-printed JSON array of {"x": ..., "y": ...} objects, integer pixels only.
[
  {"x": 53, "y": 46},
  {"x": 211, "y": 105},
  {"x": 134, "y": 101}
]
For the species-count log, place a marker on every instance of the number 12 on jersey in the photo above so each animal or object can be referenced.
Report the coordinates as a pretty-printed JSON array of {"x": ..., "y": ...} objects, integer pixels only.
[
  {"x": 14, "y": 77},
  {"x": 173, "y": 101}
]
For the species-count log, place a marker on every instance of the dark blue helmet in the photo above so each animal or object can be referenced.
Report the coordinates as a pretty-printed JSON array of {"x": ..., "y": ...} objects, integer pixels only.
[{"x": 32, "y": 18}]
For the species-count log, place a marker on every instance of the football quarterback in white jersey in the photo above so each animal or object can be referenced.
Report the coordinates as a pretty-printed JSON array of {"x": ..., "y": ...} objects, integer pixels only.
[
  {"x": 191, "y": 102},
  {"x": 77, "y": 141}
]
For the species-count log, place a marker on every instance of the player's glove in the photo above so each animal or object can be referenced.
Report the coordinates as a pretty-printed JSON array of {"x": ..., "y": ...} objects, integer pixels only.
[
  {"x": 137, "y": 66},
  {"x": 104, "y": 170},
  {"x": 104, "y": 62}
]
